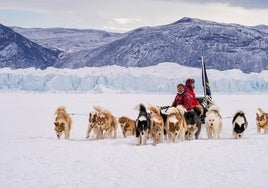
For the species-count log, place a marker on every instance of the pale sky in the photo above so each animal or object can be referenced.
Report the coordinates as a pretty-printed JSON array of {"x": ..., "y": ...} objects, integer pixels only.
[{"x": 125, "y": 15}]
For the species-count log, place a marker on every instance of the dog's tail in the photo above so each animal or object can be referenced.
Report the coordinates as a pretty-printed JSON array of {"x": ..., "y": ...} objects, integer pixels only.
[
  {"x": 154, "y": 109},
  {"x": 98, "y": 108},
  {"x": 101, "y": 110},
  {"x": 181, "y": 109},
  {"x": 261, "y": 111},
  {"x": 214, "y": 108},
  {"x": 141, "y": 108},
  {"x": 171, "y": 110},
  {"x": 60, "y": 108}
]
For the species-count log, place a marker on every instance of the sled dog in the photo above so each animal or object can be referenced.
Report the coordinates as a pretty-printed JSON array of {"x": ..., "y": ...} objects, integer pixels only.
[
  {"x": 63, "y": 122},
  {"x": 213, "y": 122},
  {"x": 106, "y": 123},
  {"x": 163, "y": 113},
  {"x": 175, "y": 124},
  {"x": 142, "y": 124},
  {"x": 193, "y": 125},
  {"x": 127, "y": 126},
  {"x": 157, "y": 125},
  {"x": 240, "y": 124},
  {"x": 92, "y": 120},
  {"x": 262, "y": 121}
]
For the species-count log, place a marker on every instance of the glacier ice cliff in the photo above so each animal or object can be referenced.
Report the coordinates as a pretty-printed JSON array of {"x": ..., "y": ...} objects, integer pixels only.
[{"x": 161, "y": 78}]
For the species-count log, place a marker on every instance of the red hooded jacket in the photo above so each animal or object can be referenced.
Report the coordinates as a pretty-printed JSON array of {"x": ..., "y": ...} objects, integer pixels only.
[
  {"x": 192, "y": 94},
  {"x": 183, "y": 99}
]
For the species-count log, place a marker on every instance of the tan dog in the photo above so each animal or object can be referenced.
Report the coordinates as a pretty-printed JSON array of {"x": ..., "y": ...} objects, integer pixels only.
[
  {"x": 106, "y": 123},
  {"x": 157, "y": 125},
  {"x": 127, "y": 126},
  {"x": 63, "y": 122},
  {"x": 92, "y": 120},
  {"x": 213, "y": 122},
  {"x": 176, "y": 125},
  {"x": 262, "y": 121}
]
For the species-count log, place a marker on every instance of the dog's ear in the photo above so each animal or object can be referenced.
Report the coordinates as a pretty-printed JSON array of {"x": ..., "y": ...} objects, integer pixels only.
[{"x": 56, "y": 124}]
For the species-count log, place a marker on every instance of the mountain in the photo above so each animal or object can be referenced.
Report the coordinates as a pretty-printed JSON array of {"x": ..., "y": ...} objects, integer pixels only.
[
  {"x": 224, "y": 46},
  {"x": 68, "y": 40},
  {"x": 263, "y": 28},
  {"x": 17, "y": 51}
]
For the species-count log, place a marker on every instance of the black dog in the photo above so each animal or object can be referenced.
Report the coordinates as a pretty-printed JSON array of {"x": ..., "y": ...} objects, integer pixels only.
[
  {"x": 143, "y": 125},
  {"x": 163, "y": 111},
  {"x": 193, "y": 123},
  {"x": 240, "y": 124}
]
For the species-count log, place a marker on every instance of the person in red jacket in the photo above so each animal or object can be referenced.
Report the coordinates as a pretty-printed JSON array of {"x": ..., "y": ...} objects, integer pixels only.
[
  {"x": 190, "y": 86},
  {"x": 182, "y": 98}
]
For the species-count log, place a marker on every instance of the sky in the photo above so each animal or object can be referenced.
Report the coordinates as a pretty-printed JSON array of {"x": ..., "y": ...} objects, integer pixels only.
[{"x": 125, "y": 15}]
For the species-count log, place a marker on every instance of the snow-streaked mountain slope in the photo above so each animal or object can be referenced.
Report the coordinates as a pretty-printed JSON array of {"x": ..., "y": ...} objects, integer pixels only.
[
  {"x": 17, "y": 51},
  {"x": 68, "y": 40},
  {"x": 225, "y": 46}
]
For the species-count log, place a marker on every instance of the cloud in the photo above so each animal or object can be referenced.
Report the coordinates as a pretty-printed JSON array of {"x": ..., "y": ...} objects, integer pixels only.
[
  {"x": 126, "y": 20},
  {"x": 247, "y": 4},
  {"x": 125, "y": 15}
]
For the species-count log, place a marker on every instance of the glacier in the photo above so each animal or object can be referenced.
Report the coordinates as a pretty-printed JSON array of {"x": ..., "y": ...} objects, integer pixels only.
[{"x": 161, "y": 78}]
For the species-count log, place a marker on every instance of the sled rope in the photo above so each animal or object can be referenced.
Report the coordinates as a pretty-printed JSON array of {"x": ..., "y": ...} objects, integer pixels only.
[
  {"x": 74, "y": 114},
  {"x": 227, "y": 117}
]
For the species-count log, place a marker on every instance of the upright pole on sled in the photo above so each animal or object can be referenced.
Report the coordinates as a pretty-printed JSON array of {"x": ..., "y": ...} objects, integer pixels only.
[
  {"x": 203, "y": 77},
  {"x": 207, "y": 93}
]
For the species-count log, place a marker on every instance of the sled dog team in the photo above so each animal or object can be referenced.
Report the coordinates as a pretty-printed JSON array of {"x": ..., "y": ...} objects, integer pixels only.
[{"x": 172, "y": 124}]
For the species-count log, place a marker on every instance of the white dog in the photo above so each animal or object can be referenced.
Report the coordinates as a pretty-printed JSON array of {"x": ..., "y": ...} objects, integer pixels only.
[{"x": 213, "y": 122}]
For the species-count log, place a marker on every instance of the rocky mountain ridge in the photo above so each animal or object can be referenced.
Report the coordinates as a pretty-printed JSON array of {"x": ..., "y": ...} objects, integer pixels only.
[{"x": 224, "y": 46}]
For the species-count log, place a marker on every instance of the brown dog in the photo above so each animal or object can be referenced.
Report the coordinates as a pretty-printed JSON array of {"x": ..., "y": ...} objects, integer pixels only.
[
  {"x": 127, "y": 126},
  {"x": 157, "y": 125},
  {"x": 176, "y": 125},
  {"x": 63, "y": 122},
  {"x": 262, "y": 121},
  {"x": 92, "y": 120},
  {"x": 106, "y": 123}
]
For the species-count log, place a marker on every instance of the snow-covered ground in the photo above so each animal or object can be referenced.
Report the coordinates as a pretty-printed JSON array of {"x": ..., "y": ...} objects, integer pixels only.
[{"x": 32, "y": 156}]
